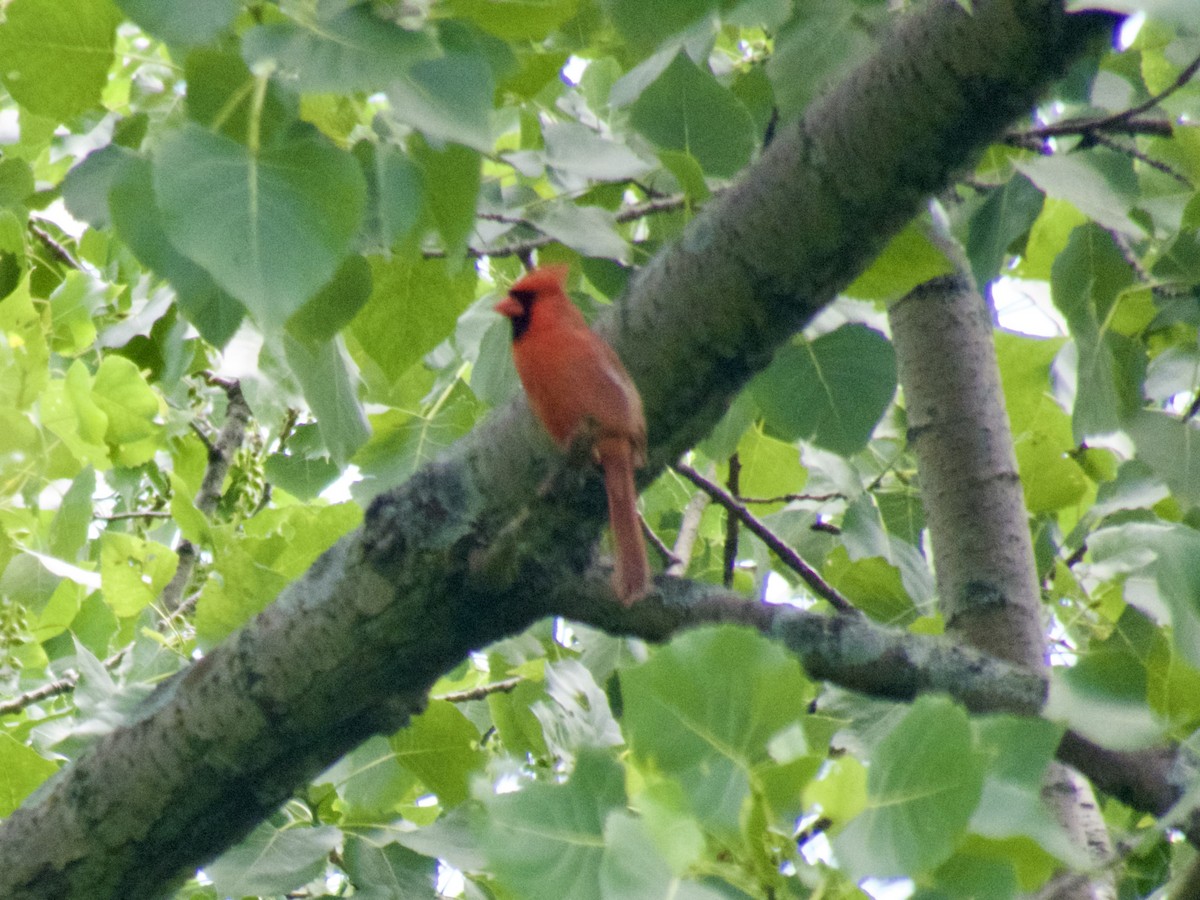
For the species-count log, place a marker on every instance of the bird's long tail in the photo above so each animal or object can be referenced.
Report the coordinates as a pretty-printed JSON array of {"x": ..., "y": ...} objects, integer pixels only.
[{"x": 631, "y": 580}]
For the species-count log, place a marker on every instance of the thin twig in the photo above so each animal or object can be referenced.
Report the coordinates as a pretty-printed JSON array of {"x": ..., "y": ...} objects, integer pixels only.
[
  {"x": 139, "y": 514},
  {"x": 733, "y": 484},
  {"x": 220, "y": 457},
  {"x": 786, "y": 554},
  {"x": 789, "y": 498},
  {"x": 689, "y": 532},
  {"x": 479, "y": 693},
  {"x": 664, "y": 552},
  {"x": 63, "y": 685}
]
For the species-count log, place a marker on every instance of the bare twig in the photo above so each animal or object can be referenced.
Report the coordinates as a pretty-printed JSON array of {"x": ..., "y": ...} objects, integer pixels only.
[
  {"x": 689, "y": 531},
  {"x": 479, "y": 693},
  {"x": 63, "y": 685},
  {"x": 220, "y": 457},
  {"x": 733, "y": 484},
  {"x": 664, "y": 552},
  {"x": 786, "y": 554},
  {"x": 137, "y": 514}
]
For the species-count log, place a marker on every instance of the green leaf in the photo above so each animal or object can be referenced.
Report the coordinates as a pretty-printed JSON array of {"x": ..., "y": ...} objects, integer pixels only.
[
  {"x": 273, "y": 860},
  {"x": 1164, "y": 562},
  {"x": 518, "y": 21},
  {"x": 703, "y": 709},
  {"x": 24, "y": 354},
  {"x": 370, "y": 781},
  {"x": 16, "y": 182},
  {"x": 69, "y": 530},
  {"x": 633, "y": 869},
  {"x": 831, "y": 391},
  {"x": 441, "y": 747},
  {"x": 1085, "y": 283},
  {"x": 271, "y": 228},
  {"x": 590, "y": 230},
  {"x": 395, "y": 194},
  {"x": 686, "y": 109},
  {"x": 304, "y": 477},
  {"x": 1169, "y": 446},
  {"x": 191, "y": 522},
  {"x": 452, "y": 178},
  {"x": 413, "y": 308},
  {"x": 1008, "y": 213},
  {"x": 546, "y": 842},
  {"x": 384, "y": 871},
  {"x": 132, "y": 408},
  {"x": 335, "y": 305},
  {"x": 1100, "y": 183},
  {"x": 645, "y": 23},
  {"x": 133, "y": 571},
  {"x": 57, "y": 55},
  {"x": 329, "y": 381},
  {"x": 86, "y": 187},
  {"x": 181, "y": 22},
  {"x": 923, "y": 786},
  {"x": 22, "y": 771},
  {"x": 447, "y": 99},
  {"x": 823, "y": 41},
  {"x": 909, "y": 260},
  {"x": 577, "y": 150},
  {"x": 222, "y": 95},
  {"x": 138, "y": 221},
  {"x": 351, "y": 51}
]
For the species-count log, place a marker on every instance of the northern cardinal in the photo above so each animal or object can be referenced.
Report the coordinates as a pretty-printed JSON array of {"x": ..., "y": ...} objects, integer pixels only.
[{"x": 576, "y": 383}]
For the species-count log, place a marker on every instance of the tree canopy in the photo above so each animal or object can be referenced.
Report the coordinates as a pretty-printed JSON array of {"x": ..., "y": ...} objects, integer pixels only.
[{"x": 297, "y": 599}]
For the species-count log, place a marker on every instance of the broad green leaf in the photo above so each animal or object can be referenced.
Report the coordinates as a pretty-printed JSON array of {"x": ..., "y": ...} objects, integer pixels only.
[
  {"x": 138, "y": 221},
  {"x": 335, "y": 305},
  {"x": 909, "y": 260},
  {"x": 69, "y": 411},
  {"x": 1169, "y": 446},
  {"x": 452, "y": 178},
  {"x": 57, "y": 55},
  {"x": 192, "y": 524},
  {"x": 304, "y": 477},
  {"x": 181, "y": 21},
  {"x": 24, "y": 355},
  {"x": 133, "y": 571},
  {"x": 1100, "y": 183},
  {"x": 413, "y": 307},
  {"x": 588, "y": 229},
  {"x": 395, "y": 194},
  {"x": 1012, "y": 804},
  {"x": 770, "y": 468},
  {"x": 516, "y": 20},
  {"x": 1048, "y": 237},
  {"x": 686, "y": 109},
  {"x": 633, "y": 869},
  {"x": 578, "y": 150},
  {"x": 645, "y": 23},
  {"x": 16, "y": 182},
  {"x": 402, "y": 443},
  {"x": 239, "y": 588},
  {"x": 1086, "y": 281},
  {"x": 831, "y": 391},
  {"x": 447, "y": 99},
  {"x": 22, "y": 770},
  {"x": 370, "y": 781},
  {"x": 223, "y": 95},
  {"x": 923, "y": 786},
  {"x": 441, "y": 747},
  {"x": 382, "y": 871},
  {"x": 546, "y": 842},
  {"x": 822, "y": 42},
  {"x": 1163, "y": 562},
  {"x": 273, "y": 860},
  {"x": 329, "y": 381},
  {"x": 872, "y": 584},
  {"x": 353, "y": 50},
  {"x": 133, "y": 410},
  {"x": 271, "y": 228},
  {"x": 69, "y": 530},
  {"x": 703, "y": 709},
  {"x": 1008, "y": 213},
  {"x": 86, "y": 187},
  {"x": 73, "y": 308}
]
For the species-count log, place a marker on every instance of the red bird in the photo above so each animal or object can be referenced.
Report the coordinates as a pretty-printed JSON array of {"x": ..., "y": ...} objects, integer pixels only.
[{"x": 574, "y": 380}]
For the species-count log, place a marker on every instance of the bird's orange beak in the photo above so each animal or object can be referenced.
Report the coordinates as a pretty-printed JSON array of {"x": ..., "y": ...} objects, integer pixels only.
[{"x": 509, "y": 307}]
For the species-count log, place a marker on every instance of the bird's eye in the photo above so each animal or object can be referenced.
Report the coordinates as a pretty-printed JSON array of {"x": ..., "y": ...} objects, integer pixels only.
[{"x": 522, "y": 297}]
